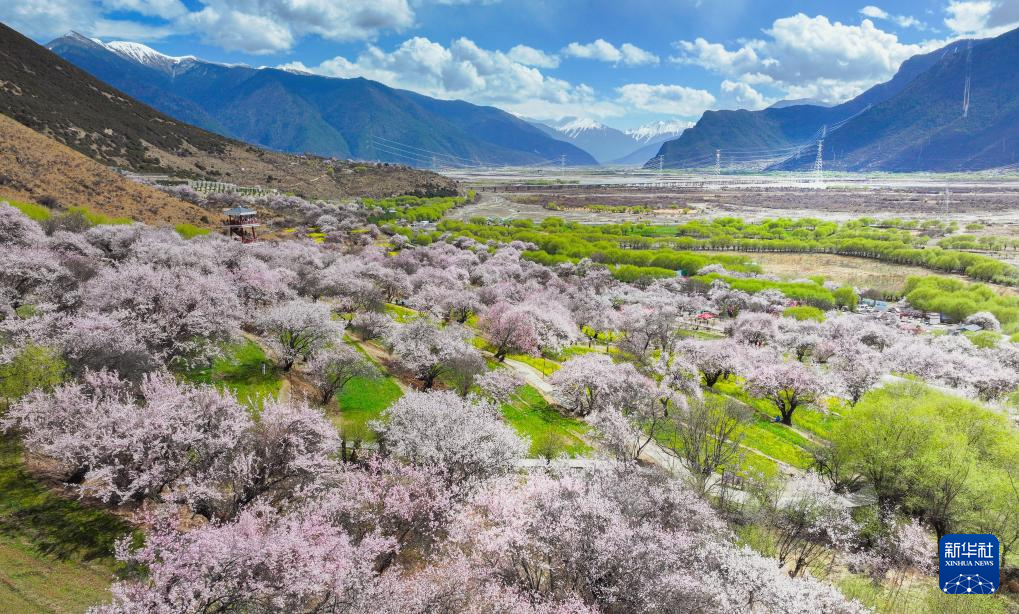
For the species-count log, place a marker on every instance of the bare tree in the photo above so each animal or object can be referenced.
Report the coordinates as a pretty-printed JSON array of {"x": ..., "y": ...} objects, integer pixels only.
[{"x": 708, "y": 437}]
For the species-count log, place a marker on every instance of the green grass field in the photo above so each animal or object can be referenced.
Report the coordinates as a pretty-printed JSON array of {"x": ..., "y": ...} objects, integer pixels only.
[
  {"x": 805, "y": 419},
  {"x": 399, "y": 313},
  {"x": 765, "y": 440},
  {"x": 239, "y": 370},
  {"x": 361, "y": 401},
  {"x": 531, "y": 416},
  {"x": 774, "y": 440},
  {"x": 55, "y": 553},
  {"x": 708, "y": 335}
]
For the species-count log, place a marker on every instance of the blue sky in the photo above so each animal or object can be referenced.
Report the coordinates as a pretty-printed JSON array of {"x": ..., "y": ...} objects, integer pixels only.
[{"x": 624, "y": 62}]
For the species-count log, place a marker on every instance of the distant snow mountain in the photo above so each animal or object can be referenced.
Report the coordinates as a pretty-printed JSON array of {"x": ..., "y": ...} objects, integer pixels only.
[
  {"x": 604, "y": 143},
  {"x": 147, "y": 56},
  {"x": 576, "y": 127},
  {"x": 609, "y": 145},
  {"x": 658, "y": 131}
]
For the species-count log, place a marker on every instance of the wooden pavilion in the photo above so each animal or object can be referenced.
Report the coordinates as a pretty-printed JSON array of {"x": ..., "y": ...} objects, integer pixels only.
[{"x": 241, "y": 223}]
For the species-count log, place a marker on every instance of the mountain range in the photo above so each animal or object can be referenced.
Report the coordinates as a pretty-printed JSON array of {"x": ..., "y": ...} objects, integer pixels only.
[
  {"x": 954, "y": 109},
  {"x": 43, "y": 92},
  {"x": 609, "y": 145},
  {"x": 303, "y": 113}
]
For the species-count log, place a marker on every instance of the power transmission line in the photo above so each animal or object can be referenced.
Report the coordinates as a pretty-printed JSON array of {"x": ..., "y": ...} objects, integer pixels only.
[{"x": 966, "y": 91}]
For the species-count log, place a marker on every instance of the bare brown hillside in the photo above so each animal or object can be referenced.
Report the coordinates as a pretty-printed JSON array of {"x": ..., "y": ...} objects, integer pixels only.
[{"x": 35, "y": 168}]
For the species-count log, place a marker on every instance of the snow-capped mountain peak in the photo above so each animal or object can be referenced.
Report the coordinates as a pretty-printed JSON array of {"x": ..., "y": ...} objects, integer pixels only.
[
  {"x": 658, "y": 130},
  {"x": 579, "y": 125},
  {"x": 146, "y": 56},
  {"x": 80, "y": 38}
]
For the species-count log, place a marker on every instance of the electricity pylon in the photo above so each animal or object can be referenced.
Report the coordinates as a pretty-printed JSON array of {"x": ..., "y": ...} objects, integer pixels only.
[{"x": 819, "y": 160}]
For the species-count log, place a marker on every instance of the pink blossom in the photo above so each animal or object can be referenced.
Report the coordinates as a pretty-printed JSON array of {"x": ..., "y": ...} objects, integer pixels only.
[
  {"x": 509, "y": 329},
  {"x": 17, "y": 229},
  {"x": 176, "y": 312},
  {"x": 331, "y": 369},
  {"x": 755, "y": 329},
  {"x": 372, "y": 325},
  {"x": 591, "y": 382},
  {"x": 260, "y": 561},
  {"x": 465, "y": 436},
  {"x": 788, "y": 385},
  {"x": 500, "y": 384},
  {"x": 716, "y": 360},
  {"x": 427, "y": 351},
  {"x": 118, "y": 449},
  {"x": 298, "y": 329}
]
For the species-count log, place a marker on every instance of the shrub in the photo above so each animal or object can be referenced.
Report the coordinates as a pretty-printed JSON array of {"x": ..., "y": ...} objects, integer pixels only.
[
  {"x": 804, "y": 312},
  {"x": 190, "y": 231}
]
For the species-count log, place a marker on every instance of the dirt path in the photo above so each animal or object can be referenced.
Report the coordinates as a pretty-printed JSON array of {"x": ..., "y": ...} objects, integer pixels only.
[
  {"x": 286, "y": 391},
  {"x": 382, "y": 358},
  {"x": 534, "y": 378}
]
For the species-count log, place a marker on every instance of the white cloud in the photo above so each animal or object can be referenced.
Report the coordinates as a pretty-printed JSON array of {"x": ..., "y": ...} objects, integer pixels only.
[
  {"x": 51, "y": 18},
  {"x": 666, "y": 99},
  {"x": 529, "y": 56},
  {"x": 604, "y": 51},
  {"x": 646, "y": 132},
  {"x": 874, "y": 12},
  {"x": 635, "y": 56},
  {"x": 46, "y": 17},
  {"x": 982, "y": 18},
  {"x": 267, "y": 26},
  {"x": 128, "y": 30},
  {"x": 252, "y": 26},
  {"x": 240, "y": 31},
  {"x": 716, "y": 57},
  {"x": 968, "y": 17},
  {"x": 809, "y": 57},
  {"x": 903, "y": 21},
  {"x": 464, "y": 70},
  {"x": 742, "y": 96},
  {"x": 166, "y": 9}
]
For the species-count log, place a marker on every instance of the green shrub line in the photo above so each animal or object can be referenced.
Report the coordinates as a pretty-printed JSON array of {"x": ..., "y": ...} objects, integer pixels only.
[
  {"x": 558, "y": 242},
  {"x": 412, "y": 208},
  {"x": 40, "y": 213},
  {"x": 958, "y": 299},
  {"x": 646, "y": 245},
  {"x": 860, "y": 238}
]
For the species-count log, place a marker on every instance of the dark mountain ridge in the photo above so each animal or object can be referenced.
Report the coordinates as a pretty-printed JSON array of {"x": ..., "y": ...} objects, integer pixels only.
[
  {"x": 874, "y": 131},
  {"x": 305, "y": 113}
]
